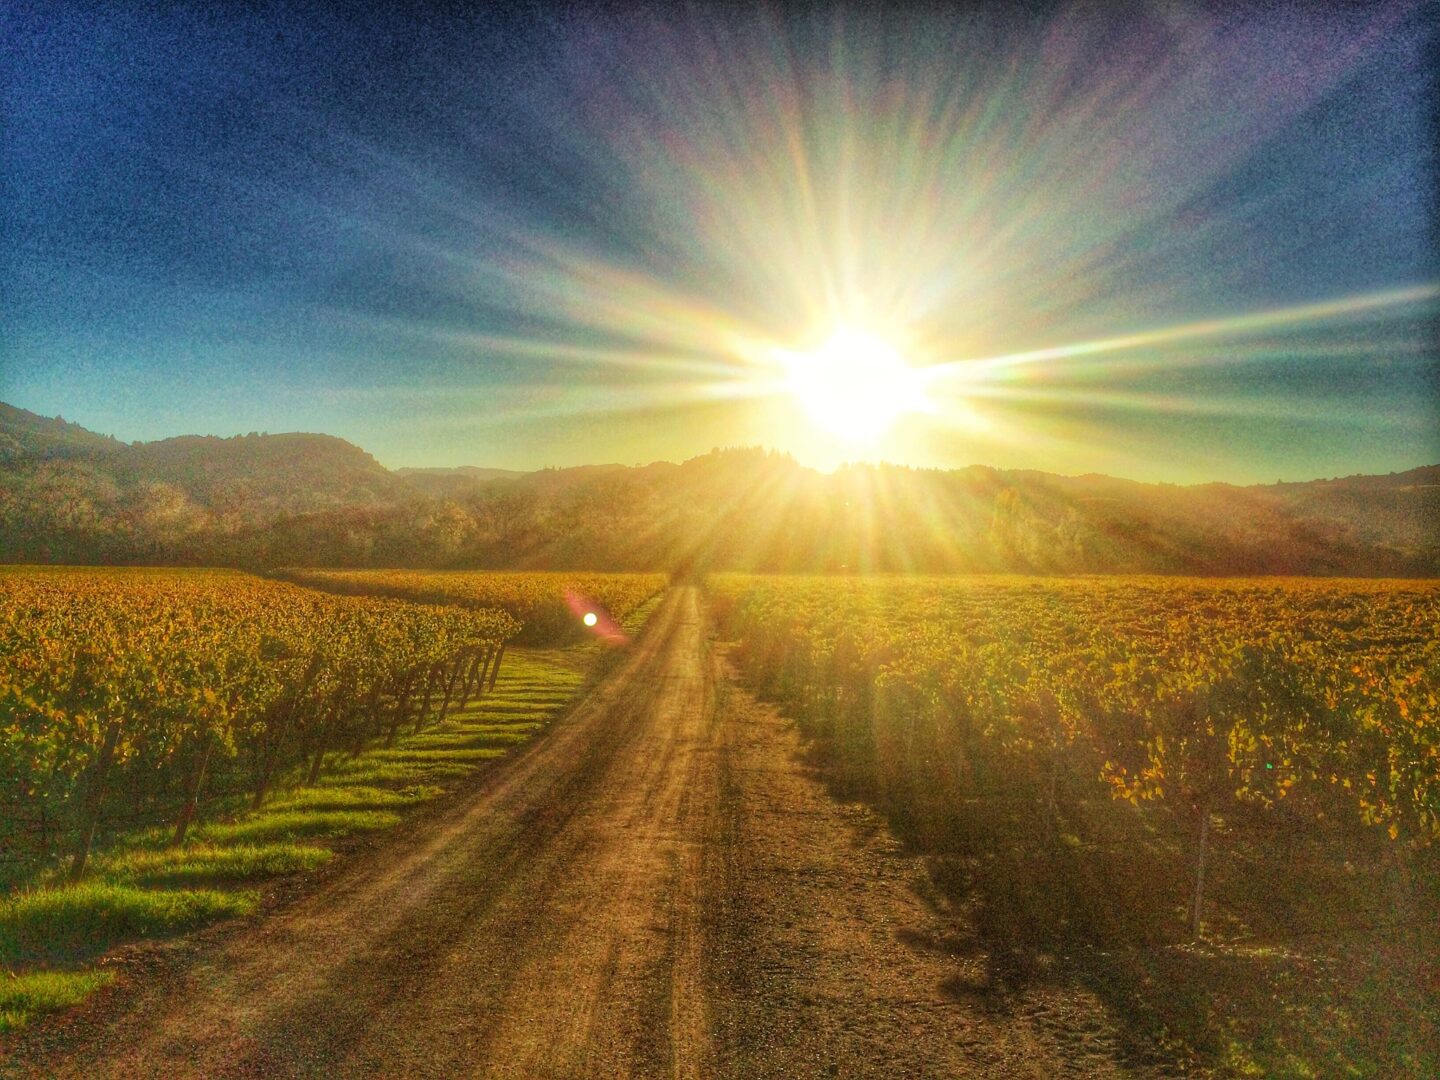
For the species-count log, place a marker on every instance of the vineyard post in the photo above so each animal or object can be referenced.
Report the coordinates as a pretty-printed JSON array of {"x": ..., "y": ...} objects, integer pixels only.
[
  {"x": 94, "y": 795},
  {"x": 268, "y": 755},
  {"x": 495, "y": 671},
  {"x": 275, "y": 734},
  {"x": 483, "y": 664},
  {"x": 430, "y": 680},
  {"x": 316, "y": 763},
  {"x": 465, "y": 685},
  {"x": 192, "y": 801},
  {"x": 402, "y": 707},
  {"x": 455, "y": 670},
  {"x": 408, "y": 701},
  {"x": 371, "y": 709},
  {"x": 324, "y": 723},
  {"x": 469, "y": 666},
  {"x": 429, "y": 689}
]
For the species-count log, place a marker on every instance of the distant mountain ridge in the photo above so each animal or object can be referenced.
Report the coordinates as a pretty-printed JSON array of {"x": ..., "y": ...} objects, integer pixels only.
[
  {"x": 289, "y": 472},
  {"x": 70, "y": 495}
]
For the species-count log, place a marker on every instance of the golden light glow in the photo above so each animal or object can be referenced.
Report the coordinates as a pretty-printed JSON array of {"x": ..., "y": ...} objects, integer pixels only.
[
  {"x": 988, "y": 254},
  {"x": 590, "y": 618},
  {"x": 855, "y": 386}
]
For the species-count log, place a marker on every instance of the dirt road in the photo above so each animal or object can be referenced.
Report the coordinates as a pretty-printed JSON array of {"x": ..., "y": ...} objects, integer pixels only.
[{"x": 656, "y": 887}]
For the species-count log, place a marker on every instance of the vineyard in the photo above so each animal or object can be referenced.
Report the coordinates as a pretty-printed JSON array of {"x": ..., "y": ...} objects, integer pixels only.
[
  {"x": 1111, "y": 763},
  {"x": 166, "y": 729},
  {"x": 127, "y": 695},
  {"x": 1212, "y": 803},
  {"x": 548, "y": 606}
]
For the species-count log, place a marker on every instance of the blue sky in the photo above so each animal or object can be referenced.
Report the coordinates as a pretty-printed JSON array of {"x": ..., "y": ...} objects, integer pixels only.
[{"x": 537, "y": 239}]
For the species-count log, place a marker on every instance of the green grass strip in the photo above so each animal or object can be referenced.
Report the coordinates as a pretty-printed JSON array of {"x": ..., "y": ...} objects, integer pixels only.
[
  {"x": 296, "y": 824},
  {"x": 25, "y": 996},
  {"x": 205, "y": 864},
  {"x": 359, "y": 797},
  {"x": 80, "y": 921},
  {"x": 362, "y": 771},
  {"x": 423, "y": 756}
]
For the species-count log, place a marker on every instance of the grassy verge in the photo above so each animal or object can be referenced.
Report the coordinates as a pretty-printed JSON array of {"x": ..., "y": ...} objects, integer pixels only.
[
  {"x": 203, "y": 864},
  {"x": 79, "y": 921},
  {"x": 37, "y": 992},
  {"x": 52, "y": 932}
]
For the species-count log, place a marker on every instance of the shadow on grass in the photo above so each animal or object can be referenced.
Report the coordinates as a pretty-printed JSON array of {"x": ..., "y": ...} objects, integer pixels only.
[
  {"x": 1323, "y": 998},
  {"x": 77, "y": 922},
  {"x": 203, "y": 864},
  {"x": 357, "y": 797},
  {"x": 295, "y": 824}
]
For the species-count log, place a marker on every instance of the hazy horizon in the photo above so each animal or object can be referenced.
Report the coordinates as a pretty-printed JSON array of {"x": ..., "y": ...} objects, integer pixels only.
[{"x": 733, "y": 447}]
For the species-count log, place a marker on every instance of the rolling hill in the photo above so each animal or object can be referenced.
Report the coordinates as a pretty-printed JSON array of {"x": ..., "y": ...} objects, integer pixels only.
[{"x": 70, "y": 495}]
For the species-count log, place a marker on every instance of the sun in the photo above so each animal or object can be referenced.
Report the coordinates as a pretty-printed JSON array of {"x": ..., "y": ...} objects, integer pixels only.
[{"x": 854, "y": 386}]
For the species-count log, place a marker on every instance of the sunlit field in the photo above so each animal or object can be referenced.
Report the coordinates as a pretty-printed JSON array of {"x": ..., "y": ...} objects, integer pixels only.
[
  {"x": 1218, "y": 799},
  {"x": 550, "y": 607}
]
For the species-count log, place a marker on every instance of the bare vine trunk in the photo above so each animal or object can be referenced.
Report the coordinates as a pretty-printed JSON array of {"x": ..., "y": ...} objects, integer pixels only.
[
  {"x": 94, "y": 797},
  {"x": 315, "y": 764},
  {"x": 495, "y": 671},
  {"x": 431, "y": 678},
  {"x": 402, "y": 708},
  {"x": 275, "y": 739},
  {"x": 445, "y": 700},
  {"x": 192, "y": 799},
  {"x": 467, "y": 680},
  {"x": 482, "y": 682}
]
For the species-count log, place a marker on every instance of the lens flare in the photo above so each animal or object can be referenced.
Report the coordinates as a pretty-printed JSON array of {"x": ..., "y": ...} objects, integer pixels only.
[{"x": 590, "y": 618}]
